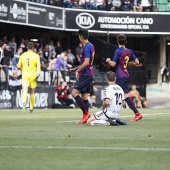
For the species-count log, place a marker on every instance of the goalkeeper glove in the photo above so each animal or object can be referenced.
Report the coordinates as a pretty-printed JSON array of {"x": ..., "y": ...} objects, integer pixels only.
[{"x": 38, "y": 75}]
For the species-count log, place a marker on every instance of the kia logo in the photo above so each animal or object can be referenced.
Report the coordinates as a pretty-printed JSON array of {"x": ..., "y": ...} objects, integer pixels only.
[
  {"x": 85, "y": 20},
  {"x": 15, "y": 11}
]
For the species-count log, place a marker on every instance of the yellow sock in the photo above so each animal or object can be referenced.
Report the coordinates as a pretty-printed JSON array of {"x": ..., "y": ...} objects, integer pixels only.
[
  {"x": 24, "y": 97},
  {"x": 31, "y": 101}
]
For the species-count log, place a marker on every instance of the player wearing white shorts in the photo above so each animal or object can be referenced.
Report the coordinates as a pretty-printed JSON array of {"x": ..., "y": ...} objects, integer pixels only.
[{"x": 112, "y": 103}]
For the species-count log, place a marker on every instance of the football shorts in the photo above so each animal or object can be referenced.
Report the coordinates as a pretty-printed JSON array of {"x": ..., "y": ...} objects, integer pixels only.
[
  {"x": 84, "y": 83},
  {"x": 123, "y": 83},
  {"x": 29, "y": 80}
]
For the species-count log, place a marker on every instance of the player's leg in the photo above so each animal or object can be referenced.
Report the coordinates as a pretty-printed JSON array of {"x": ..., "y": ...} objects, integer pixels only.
[
  {"x": 24, "y": 97},
  {"x": 85, "y": 98},
  {"x": 25, "y": 85},
  {"x": 121, "y": 122},
  {"x": 99, "y": 118},
  {"x": 32, "y": 99},
  {"x": 123, "y": 83},
  {"x": 85, "y": 94},
  {"x": 90, "y": 119},
  {"x": 79, "y": 100},
  {"x": 131, "y": 105},
  {"x": 33, "y": 85},
  {"x": 82, "y": 86}
]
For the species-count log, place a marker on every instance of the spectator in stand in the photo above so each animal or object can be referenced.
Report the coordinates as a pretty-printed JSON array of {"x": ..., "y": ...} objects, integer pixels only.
[
  {"x": 59, "y": 48},
  {"x": 126, "y": 5},
  {"x": 15, "y": 61},
  {"x": 67, "y": 4},
  {"x": 100, "y": 4},
  {"x": 8, "y": 55},
  {"x": 82, "y": 3},
  {"x": 4, "y": 39},
  {"x": 137, "y": 99},
  {"x": 63, "y": 94},
  {"x": 36, "y": 46},
  {"x": 60, "y": 65},
  {"x": 16, "y": 57},
  {"x": 71, "y": 57},
  {"x": 41, "y": 43},
  {"x": 51, "y": 46},
  {"x": 137, "y": 6},
  {"x": 52, "y": 50},
  {"x": 2, "y": 47},
  {"x": 22, "y": 44},
  {"x": 114, "y": 5},
  {"x": 53, "y": 55},
  {"x": 60, "y": 3},
  {"x": 147, "y": 5},
  {"x": 42, "y": 61},
  {"x": 91, "y": 5},
  {"x": 13, "y": 44},
  {"x": 46, "y": 54},
  {"x": 51, "y": 2},
  {"x": 78, "y": 52}
]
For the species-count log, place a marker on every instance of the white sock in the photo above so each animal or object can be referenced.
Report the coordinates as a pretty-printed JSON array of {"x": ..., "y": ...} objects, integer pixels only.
[{"x": 100, "y": 122}]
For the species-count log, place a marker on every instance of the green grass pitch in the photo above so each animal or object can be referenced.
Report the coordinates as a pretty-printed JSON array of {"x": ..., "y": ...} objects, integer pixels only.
[{"x": 51, "y": 140}]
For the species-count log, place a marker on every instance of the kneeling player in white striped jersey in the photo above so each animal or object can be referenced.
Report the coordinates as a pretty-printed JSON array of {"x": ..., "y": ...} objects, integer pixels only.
[{"x": 112, "y": 103}]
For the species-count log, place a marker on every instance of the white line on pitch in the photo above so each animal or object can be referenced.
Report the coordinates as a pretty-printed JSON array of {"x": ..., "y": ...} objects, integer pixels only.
[
  {"x": 71, "y": 121},
  {"x": 83, "y": 148}
]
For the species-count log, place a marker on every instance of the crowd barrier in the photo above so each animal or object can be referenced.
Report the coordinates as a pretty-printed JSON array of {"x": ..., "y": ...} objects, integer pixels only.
[
  {"x": 45, "y": 97},
  {"x": 45, "y": 94}
]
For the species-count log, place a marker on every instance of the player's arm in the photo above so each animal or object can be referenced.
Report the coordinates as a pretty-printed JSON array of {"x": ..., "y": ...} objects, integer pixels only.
[
  {"x": 87, "y": 54},
  {"x": 74, "y": 69},
  {"x": 84, "y": 65},
  {"x": 111, "y": 63},
  {"x": 105, "y": 103},
  {"x": 19, "y": 65},
  {"x": 135, "y": 62},
  {"x": 38, "y": 68},
  {"x": 115, "y": 59}
]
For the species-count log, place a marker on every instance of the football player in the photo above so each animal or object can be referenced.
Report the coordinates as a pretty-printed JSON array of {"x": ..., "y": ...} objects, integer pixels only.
[{"x": 112, "y": 103}]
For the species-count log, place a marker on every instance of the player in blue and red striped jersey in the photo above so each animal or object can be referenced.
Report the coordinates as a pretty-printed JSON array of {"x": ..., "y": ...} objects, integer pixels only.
[
  {"x": 84, "y": 75},
  {"x": 121, "y": 59}
]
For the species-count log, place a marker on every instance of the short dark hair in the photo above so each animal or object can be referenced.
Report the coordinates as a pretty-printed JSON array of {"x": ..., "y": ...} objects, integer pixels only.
[
  {"x": 121, "y": 39},
  {"x": 30, "y": 45},
  {"x": 111, "y": 76},
  {"x": 84, "y": 33}
]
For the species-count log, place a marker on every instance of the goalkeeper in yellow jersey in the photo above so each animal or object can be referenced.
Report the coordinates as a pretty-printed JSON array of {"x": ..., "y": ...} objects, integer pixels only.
[{"x": 29, "y": 64}]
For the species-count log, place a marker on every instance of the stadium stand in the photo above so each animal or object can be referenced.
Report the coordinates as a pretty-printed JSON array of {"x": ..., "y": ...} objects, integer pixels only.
[
  {"x": 155, "y": 5},
  {"x": 162, "y": 5}
]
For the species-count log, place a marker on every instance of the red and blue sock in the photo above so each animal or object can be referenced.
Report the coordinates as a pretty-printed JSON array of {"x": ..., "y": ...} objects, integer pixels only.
[{"x": 131, "y": 105}]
